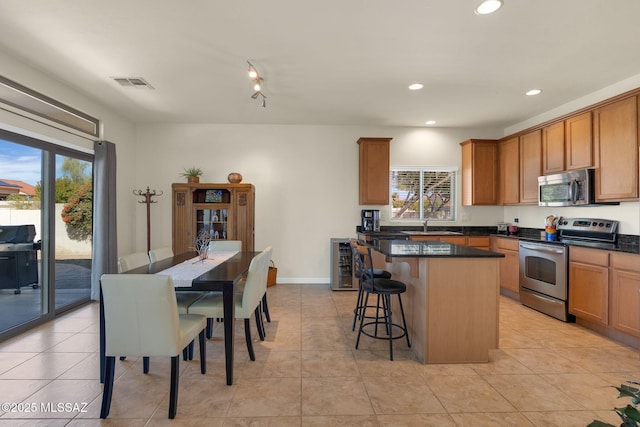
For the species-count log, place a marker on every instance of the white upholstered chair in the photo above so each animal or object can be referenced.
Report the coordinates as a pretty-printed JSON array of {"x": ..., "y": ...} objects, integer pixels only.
[
  {"x": 225, "y": 245},
  {"x": 246, "y": 302},
  {"x": 184, "y": 298},
  {"x": 131, "y": 261},
  {"x": 141, "y": 319},
  {"x": 159, "y": 254}
]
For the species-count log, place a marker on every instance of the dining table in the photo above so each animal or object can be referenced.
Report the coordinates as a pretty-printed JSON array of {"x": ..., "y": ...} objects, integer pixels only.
[{"x": 222, "y": 277}]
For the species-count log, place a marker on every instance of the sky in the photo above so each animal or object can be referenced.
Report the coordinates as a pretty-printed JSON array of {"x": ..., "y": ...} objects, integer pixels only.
[
  {"x": 20, "y": 162},
  {"x": 23, "y": 163}
]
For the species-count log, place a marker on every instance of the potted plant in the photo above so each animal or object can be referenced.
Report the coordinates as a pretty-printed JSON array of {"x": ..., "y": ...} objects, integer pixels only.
[{"x": 192, "y": 174}]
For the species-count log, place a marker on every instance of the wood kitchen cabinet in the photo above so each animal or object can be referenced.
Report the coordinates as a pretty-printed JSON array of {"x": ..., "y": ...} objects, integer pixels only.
[
  {"x": 625, "y": 293},
  {"x": 509, "y": 265},
  {"x": 479, "y": 172},
  {"x": 225, "y": 210},
  {"x": 578, "y": 142},
  {"x": 480, "y": 242},
  {"x": 615, "y": 139},
  {"x": 553, "y": 148},
  {"x": 530, "y": 166},
  {"x": 509, "y": 171},
  {"x": 589, "y": 284},
  {"x": 374, "y": 171}
]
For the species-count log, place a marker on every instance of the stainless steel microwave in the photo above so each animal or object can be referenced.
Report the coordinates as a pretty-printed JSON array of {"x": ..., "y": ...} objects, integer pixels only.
[{"x": 573, "y": 188}]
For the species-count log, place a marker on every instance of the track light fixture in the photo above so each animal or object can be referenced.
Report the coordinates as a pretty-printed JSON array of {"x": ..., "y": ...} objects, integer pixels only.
[{"x": 257, "y": 84}]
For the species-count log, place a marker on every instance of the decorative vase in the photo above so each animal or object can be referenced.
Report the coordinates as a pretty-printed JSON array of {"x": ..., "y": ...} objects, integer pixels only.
[
  {"x": 193, "y": 179},
  {"x": 234, "y": 178}
]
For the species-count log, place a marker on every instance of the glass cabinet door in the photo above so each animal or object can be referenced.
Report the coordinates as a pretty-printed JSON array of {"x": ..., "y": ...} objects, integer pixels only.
[{"x": 215, "y": 221}]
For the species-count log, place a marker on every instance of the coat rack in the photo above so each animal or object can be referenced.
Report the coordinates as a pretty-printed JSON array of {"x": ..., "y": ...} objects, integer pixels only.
[{"x": 147, "y": 200}]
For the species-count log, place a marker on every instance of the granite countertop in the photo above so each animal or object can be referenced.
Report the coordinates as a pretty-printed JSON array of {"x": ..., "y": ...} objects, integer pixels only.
[
  {"x": 624, "y": 243},
  {"x": 429, "y": 249}
]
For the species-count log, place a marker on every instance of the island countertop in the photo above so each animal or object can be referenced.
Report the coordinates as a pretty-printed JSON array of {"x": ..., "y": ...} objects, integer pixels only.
[{"x": 429, "y": 248}]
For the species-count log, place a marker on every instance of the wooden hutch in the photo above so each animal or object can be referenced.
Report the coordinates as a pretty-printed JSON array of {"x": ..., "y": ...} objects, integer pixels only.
[{"x": 226, "y": 210}]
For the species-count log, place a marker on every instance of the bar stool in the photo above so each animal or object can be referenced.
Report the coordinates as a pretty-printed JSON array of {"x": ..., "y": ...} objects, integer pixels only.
[
  {"x": 383, "y": 289},
  {"x": 377, "y": 274}
]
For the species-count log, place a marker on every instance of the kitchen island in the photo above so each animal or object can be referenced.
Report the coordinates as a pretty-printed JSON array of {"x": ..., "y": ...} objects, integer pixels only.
[{"x": 452, "y": 298}]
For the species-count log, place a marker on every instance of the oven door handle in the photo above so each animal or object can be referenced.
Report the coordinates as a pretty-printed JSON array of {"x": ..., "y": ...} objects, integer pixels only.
[{"x": 542, "y": 249}]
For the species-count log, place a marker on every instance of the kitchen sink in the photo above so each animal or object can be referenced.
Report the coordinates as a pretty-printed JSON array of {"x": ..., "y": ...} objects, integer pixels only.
[{"x": 432, "y": 233}]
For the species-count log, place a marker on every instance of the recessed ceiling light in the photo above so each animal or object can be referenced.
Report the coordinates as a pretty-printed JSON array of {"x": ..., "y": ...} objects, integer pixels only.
[
  {"x": 488, "y": 6},
  {"x": 416, "y": 86},
  {"x": 430, "y": 122},
  {"x": 533, "y": 92}
]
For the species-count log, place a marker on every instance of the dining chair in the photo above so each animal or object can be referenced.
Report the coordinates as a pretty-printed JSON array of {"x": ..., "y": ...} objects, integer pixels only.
[
  {"x": 141, "y": 319},
  {"x": 131, "y": 261},
  {"x": 383, "y": 326},
  {"x": 246, "y": 302},
  {"x": 159, "y": 254},
  {"x": 184, "y": 298},
  {"x": 222, "y": 245},
  {"x": 225, "y": 245},
  {"x": 234, "y": 245}
]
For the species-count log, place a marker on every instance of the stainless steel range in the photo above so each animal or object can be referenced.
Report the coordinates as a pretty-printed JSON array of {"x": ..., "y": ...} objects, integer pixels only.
[
  {"x": 544, "y": 266},
  {"x": 18, "y": 257}
]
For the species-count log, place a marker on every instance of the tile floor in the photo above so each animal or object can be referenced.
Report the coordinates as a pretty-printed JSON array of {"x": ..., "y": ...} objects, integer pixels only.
[{"x": 307, "y": 373}]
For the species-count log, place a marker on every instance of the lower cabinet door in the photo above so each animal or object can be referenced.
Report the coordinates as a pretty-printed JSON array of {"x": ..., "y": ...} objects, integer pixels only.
[
  {"x": 625, "y": 296},
  {"x": 589, "y": 292}
]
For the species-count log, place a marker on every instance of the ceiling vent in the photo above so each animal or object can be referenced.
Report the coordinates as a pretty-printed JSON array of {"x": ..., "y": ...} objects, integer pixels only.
[{"x": 133, "y": 82}]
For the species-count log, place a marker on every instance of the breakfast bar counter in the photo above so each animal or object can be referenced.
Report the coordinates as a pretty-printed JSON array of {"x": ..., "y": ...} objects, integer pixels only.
[{"x": 452, "y": 299}]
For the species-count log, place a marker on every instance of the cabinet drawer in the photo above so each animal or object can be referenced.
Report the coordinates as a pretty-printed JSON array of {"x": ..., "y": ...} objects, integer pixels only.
[
  {"x": 508, "y": 244},
  {"x": 478, "y": 242},
  {"x": 589, "y": 256},
  {"x": 629, "y": 262}
]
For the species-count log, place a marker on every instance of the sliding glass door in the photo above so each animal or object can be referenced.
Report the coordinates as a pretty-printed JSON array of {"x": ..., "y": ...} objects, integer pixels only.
[
  {"x": 73, "y": 226},
  {"x": 20, "y": 205},
  {"x": 49, "y": 187}
]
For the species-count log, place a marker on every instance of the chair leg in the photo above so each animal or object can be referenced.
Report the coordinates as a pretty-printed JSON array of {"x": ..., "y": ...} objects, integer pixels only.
[
  {"x": 247, "y": 335},
  {"x": 173, "y": 393},
  {"x": 259, "y": 324},
  {"x": 209, "y": 327},
  {"x": 387, "y": 322},
  {"x": 145, "y": 364},
  {"x": 203, "y": 352},
  {"x": 123, "y": 357},
  {"x": 265, "y": 307},
  {"x": 364, "y": 311},
  {"x": 107, "y": 392},
  {"x": 357, "y": 311},
  {"x": 404, "y": 322},
  {"x": 192, "y": 345}
]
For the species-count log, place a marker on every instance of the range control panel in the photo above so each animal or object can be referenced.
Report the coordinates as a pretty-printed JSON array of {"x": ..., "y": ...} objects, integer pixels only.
[{"x": 590, "y": 225}]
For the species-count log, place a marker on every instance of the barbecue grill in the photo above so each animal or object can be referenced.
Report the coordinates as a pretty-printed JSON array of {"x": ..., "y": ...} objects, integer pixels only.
[{"x": 18, "y": 257}]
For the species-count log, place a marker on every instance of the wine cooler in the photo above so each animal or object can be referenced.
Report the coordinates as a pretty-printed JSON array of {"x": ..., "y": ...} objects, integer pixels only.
[{"x": 342, "y": 266}]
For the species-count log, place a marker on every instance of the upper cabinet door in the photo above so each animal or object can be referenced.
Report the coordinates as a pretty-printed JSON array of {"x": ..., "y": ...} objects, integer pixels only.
[
  {"x": 509, "y": 171},
  {"x": 579, "y": 142},
  {"x": 615, "y": 137},
  {"x": 374, "y": 171},
  {"x": 479, "y": 172},
  {"x": 553, "y": 148},
  {"x": 530, "y": 166}
]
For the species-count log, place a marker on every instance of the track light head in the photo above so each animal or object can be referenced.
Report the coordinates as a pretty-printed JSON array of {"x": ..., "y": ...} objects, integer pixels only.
[{"x": 253, "y": 73}]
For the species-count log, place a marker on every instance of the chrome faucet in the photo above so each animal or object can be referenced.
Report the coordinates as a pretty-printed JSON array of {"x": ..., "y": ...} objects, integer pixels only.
[{"x": 425, "y": 225}]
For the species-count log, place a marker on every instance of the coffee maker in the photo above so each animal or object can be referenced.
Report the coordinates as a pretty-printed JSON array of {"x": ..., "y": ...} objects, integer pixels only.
[{"x": 370, "y": 220}]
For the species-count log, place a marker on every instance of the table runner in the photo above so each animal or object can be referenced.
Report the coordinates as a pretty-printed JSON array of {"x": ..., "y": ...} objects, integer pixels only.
[{"x": 184, "y": 273}]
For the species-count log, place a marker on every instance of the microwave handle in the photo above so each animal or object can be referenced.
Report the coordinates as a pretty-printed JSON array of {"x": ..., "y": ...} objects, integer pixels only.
[{"x": 574, "y": 191}]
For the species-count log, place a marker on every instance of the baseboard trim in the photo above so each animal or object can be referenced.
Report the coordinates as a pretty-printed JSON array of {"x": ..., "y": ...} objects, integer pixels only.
[{"x": 304, "y": 280}]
